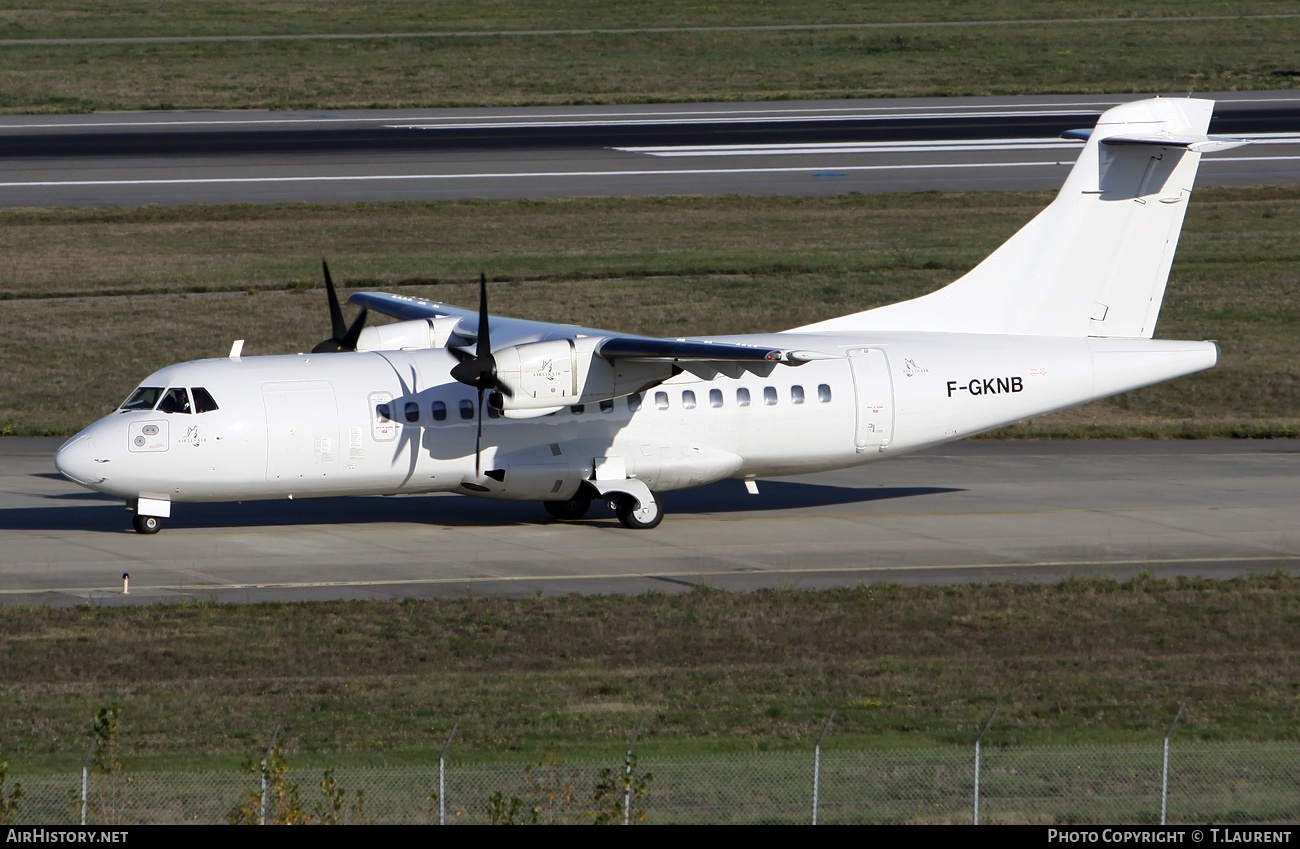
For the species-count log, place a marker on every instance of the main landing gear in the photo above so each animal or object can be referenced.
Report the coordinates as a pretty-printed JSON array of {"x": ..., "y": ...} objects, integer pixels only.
[
  {"x": 146, "y": 524},
  {"x": 567, "y": 511},
  {"x": 634, "y": 516},
  {"x": 627, "y": 507}
]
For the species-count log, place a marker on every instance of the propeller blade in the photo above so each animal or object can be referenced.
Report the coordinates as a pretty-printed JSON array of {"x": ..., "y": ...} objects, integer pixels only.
[
  {"x": 336, "y": 312},
  {"x": 478, "y": 440},
  {"x": 349, "y": 341},
  {"x": 345, "y": 337},
  {"x": 484, "y": 345}
]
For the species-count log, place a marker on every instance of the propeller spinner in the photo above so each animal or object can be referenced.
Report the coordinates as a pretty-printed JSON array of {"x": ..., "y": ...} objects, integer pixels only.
[{"x": 345, "y": 337}]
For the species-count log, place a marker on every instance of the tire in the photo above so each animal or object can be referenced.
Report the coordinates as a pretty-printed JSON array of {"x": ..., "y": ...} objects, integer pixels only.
[
  {"x": 566, "y": 511},
  {"x": 146, "y": 524},
  {"x": 629, "y": 512}
]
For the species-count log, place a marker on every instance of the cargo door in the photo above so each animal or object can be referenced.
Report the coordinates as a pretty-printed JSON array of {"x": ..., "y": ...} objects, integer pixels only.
[
  {"x": 302, "y": 432},
  {"x": 875, "y": 399}
]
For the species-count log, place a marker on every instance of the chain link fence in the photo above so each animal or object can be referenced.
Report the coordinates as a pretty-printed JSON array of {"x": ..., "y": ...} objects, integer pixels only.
[{"x": 1120, "y": 785}]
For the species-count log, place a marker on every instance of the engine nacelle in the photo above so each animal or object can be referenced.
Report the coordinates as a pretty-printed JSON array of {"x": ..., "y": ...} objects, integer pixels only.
[
  {"x": 563, "y": 372},
  {"x": 417, "y": 334}
]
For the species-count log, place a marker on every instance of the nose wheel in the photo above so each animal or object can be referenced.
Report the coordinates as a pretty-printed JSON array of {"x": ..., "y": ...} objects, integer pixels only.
[{"x": 146, "y": 524}]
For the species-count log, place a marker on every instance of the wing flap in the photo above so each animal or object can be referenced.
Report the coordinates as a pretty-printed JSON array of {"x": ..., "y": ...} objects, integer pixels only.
[{"x": 682, "y": 350}]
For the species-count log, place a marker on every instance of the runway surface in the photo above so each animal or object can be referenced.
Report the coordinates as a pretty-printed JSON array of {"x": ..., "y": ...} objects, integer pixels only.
[
  {"x": 794, "y": 148},
  {"x": 971, "y": 511}
]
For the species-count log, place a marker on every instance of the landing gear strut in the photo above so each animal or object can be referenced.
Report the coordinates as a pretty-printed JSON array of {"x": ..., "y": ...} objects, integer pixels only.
[
  {"x": 566, "y": 511},
  {"x": 146, "y": 524}
]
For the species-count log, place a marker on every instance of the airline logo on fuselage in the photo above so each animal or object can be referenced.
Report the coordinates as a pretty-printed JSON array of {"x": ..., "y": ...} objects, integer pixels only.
[{"x": 987, "y": 386}]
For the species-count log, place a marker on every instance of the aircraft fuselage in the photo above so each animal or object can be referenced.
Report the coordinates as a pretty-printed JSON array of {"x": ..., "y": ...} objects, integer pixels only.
[{"x": 387, "y": 422}]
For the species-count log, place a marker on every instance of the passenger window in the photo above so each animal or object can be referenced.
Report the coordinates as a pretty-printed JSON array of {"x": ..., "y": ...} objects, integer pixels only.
[
  {"x": 383, "y": 414},
  {"x": 661, "y": 400},
  {"x": 467, "y": 409},
  {"x": 742, "y": 397},
  {"x": 493, "y": 412},
  {"x": 144, "y": 398},
  {"x": 203, "y": 400},
  {"x": 715, "y": 397},
  {"x": 796, "y": 394},
  {"x": 439, "y": 411},
  {"x": 688, "y": 399},
  {"x": 607, "y": 406},
  {"x": 175, "y": 401},
  {"x": 769, "y": 396},
  {"x": 412, "y": 411},
  {"x": 578, "y": 409},
  {"x": 634, "y": 401},
  {"x": 824, "y": 393}
]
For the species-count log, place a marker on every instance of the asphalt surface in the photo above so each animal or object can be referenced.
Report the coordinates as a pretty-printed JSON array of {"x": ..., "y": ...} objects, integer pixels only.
[
  {"x": 976, "y": 511},
  {"x": 795, "y": 148},
  {"x": 971, "y": 511}
]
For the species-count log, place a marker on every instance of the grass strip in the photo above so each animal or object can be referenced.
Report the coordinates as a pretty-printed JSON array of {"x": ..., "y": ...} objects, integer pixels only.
[
  {"x": 160, "y": 18},
  {"x": 1084, "y": 660},
  {"x": 98, "y": 299},
  {"x": 653, "y": 67}
]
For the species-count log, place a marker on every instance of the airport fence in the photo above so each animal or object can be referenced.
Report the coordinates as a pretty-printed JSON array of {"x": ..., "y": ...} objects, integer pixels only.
[{"x": 1113, "y": 785}]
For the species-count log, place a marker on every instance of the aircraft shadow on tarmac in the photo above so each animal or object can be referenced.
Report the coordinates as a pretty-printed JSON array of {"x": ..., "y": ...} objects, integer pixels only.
[{"x": 720, "y": 498}]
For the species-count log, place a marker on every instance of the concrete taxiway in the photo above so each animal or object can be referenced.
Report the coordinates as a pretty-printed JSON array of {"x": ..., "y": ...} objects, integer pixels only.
[{"x": 972, "y": 511}]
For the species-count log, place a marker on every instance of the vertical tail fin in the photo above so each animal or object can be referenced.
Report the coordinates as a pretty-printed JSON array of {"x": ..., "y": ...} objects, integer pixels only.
[{"x": 1096, "y": 260}]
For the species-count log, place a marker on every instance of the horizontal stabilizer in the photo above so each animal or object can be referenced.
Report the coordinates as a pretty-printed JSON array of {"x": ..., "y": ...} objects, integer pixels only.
[{"x": 1200, "y": 144}]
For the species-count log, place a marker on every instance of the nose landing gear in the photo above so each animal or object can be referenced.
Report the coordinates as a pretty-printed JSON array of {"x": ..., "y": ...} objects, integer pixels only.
[{"x": 146, "y": 524}]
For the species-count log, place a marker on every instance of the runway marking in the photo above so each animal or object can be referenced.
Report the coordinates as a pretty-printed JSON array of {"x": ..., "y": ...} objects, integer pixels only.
[
  {"x": 854, "y": 147},
  {"x": 373, "y": 178},
  {"x": 973, "y": 145},
  {"x": 529, "y": 174},
  {"x": 770, "y": 119},
  {"x": 710, "y": 573}
]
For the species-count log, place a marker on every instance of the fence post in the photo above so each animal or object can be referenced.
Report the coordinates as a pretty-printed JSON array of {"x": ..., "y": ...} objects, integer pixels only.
[
  {"x": 1164, "y": 767},
  {"x": 977, "y": 765},
  {"x": 817, "y": 762},
  {"x": 261, "y": 808},
  {"x": 442, "y": 772},
  {"x": 627, "y": 774},
  {"x": 85, "y": 778}
]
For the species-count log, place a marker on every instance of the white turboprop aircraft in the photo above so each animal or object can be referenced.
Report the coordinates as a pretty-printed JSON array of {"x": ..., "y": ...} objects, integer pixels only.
[{"x": 1061, "y": 314}]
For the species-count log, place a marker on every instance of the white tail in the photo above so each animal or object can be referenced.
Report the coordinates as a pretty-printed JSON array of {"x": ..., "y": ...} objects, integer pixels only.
[{"x": 1095, "y": 261}]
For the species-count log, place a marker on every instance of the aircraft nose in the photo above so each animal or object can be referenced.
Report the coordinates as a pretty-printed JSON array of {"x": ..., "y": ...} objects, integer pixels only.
[{"x": 76, "y": 460}]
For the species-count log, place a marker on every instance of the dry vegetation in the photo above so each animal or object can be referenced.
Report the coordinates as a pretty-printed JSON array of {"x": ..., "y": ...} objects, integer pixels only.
[
  {"x": 161, "y": 18},
  {"x": 1082, "y": 660},
  {"x": 1134, "y": 51},
  {"x": 663, "y": 266}
]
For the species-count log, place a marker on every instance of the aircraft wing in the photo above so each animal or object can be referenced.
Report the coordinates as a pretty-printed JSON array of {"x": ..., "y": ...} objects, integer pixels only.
[{"x": 612, "y": 346}]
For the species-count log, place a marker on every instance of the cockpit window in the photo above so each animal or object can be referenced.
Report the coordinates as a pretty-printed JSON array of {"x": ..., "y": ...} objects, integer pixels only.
[
  {"x": 143, "y": 398},
  {"x": 175, "y": 401},
  {"x": 203, "y": 400}
]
